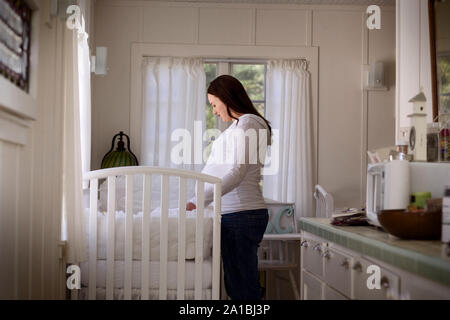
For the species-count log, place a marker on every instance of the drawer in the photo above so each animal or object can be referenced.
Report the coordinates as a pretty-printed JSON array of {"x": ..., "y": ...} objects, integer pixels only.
[
  {"x": 331, "y": 294},
  {"x": 389, "y": 282},
  {"x": 415, "y": 288},
  {"x": 311, "y": 287},
  {"x": 337, "y": 271},
  {"x": 311, "y": 253}
]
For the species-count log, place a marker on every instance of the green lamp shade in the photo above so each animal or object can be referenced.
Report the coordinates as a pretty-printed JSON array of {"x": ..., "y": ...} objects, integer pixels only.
[
  {"x": 121, "y": 157},
  {"x": 118, "y": 159}
]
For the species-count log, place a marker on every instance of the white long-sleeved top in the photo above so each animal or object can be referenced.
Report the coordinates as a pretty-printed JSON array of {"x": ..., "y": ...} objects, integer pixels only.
[{"x": 240, "y": 176}]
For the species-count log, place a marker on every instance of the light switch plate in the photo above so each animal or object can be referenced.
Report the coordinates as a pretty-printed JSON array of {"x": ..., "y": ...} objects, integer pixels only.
[{"x": 403, "y": 135}]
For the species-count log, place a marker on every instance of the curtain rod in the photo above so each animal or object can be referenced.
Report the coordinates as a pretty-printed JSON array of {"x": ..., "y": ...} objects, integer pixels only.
[
  {"x": 236, "y": 60},
  {"x": 243, "y": 60},
  {"x": 239, "y": 60},
  {"x": 232, "y": 60}
]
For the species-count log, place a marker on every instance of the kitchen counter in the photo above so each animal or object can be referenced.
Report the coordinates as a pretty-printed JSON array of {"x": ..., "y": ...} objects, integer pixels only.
[{"x": 423, "y": 258}]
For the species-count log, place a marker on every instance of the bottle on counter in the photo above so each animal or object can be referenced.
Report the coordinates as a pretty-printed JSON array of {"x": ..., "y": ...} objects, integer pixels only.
[
  {"x": 444, "y": 137},
  {"x": 433, "y": 146},
  {"x": 445, "y": 235}
]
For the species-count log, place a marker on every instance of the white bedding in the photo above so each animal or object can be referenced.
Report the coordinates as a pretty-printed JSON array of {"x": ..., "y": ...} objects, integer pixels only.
[
  {"x": 119, "y": 274},
  {"x": 153, "y": 294},
  {"x": 102, "y": 234}
]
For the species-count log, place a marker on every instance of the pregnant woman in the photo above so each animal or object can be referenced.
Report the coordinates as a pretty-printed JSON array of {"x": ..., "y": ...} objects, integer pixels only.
[{"x": 244, "y": 212}]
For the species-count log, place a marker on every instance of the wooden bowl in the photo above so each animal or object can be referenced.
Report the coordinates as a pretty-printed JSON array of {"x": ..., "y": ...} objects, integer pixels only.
[{"x": 412, "y": 225}]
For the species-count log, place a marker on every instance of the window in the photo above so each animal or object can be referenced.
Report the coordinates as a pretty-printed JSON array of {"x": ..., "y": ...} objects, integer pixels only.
[
  {"x": 15, "y": 30},
  {"x": 211, "y": 73},
  {"x": 251, "y": 74},
  {"x": 443, "y": 72}
]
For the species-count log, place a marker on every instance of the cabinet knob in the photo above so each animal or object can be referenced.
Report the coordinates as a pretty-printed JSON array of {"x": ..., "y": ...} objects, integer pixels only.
[
  {"x": 317, "y": 248},
  {"x": 357, "y": 267},
  {"x": 304, "y": 244},
  {"x": 345, "y": 264},
  {"x": 384, "y": 282}
]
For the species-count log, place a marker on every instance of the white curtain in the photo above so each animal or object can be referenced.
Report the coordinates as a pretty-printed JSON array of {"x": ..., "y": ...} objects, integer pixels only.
[
  {"x": 289, "y": 110},
  {"x": 77, "y": 140},
  {"x": 174, "y": 97}
]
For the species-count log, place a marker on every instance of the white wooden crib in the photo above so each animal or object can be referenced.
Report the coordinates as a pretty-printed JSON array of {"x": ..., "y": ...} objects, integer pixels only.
[{"x": 143, "y": 268}]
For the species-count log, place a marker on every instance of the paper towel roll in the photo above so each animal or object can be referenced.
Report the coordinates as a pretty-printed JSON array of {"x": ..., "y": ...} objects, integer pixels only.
[{"x": 397, "y": 187}]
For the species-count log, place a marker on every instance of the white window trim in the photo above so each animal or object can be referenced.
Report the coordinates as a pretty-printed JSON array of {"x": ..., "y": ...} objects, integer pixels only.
[
  {"x": 14, "y": 99},
  {"x": 141, "y": 50}
]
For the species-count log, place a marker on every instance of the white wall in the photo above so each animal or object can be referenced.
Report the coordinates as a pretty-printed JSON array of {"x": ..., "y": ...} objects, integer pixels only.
[
  {"x": 349, "y": 120},
  {"x": 28, "y": 173},
  {"x": 31, "y": 176}
]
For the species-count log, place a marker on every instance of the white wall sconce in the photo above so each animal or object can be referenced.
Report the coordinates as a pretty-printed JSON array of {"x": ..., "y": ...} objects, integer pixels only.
[{"x": 99, "y": 62}]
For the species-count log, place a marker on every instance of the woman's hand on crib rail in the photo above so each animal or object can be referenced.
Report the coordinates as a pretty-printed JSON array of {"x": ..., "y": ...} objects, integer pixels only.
[{"x": 190, "y": 206}]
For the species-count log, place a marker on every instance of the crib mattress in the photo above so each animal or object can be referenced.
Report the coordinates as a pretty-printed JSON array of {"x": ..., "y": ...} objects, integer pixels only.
[
  {"x": 119, "y": 274},
  {"x": 119, "y": 252},
  {"x": 136, "y": 294}
]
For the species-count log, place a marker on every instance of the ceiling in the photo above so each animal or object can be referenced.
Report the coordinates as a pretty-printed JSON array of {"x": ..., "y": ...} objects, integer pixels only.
[{"x": 317, "y": 2}]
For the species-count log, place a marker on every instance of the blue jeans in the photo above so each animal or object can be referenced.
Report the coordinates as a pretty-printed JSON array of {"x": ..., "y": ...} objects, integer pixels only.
[{"x": 241, "y": 234}]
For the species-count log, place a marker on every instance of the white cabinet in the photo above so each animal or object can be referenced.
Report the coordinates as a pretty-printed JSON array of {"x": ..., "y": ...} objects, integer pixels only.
[
  {"x": 388, "y": 286},
  {"x": 312, "y": 251},
  {"x": 331, "y": 294},
  {"x": 312, "y": 287},
  {"x": 337, "y": 270},
  {"x": 421, "y": 289},
  {"x": 332, "y": 272},
  {"x": 326, "y": 272}
]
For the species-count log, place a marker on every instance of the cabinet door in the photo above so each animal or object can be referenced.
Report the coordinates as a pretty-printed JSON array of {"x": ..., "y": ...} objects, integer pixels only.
[
  {"x": 312, "y": 287},
  {"x": 337, "y": 271},
  {"x": 389, "y": 283},
  {"x": 331, "y": 294},
  {"x": 311, "y": 253},
  {"x": 415, "y": 288}
]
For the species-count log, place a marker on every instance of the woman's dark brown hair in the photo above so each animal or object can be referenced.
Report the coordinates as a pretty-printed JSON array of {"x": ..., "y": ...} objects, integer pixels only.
[{"x": 232, "y": 93}]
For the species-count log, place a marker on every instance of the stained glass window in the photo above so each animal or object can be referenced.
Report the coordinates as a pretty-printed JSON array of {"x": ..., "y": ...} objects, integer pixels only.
[{"x": 15, "y": 30}]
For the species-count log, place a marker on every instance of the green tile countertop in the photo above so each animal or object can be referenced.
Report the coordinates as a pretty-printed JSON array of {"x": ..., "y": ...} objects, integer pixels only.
[{"x": 423, "y": 258}]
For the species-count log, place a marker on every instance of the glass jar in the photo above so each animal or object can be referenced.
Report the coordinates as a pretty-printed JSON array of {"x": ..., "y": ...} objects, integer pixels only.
[
  {"x": 444, "y": 137},
  {"x": 433, "y": 142}
]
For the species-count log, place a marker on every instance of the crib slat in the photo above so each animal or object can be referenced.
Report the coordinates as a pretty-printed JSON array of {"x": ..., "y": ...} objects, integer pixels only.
[
  {"x": 199, "y": 240},
  {"x": 146, "y": 237},
  {"x": 128, "y": 236},
  {"x": 280, "y": 251},
  {"x": 93, "y": 240},
  {"x": 111, "y": 241},
  {"x": 216, "y": 241},
  {"x": 271, "y": 249},
  {"x": 74, "y": 293},
  {"x": 181, "y": 238},
  {"x": 163, "y": 242}
]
